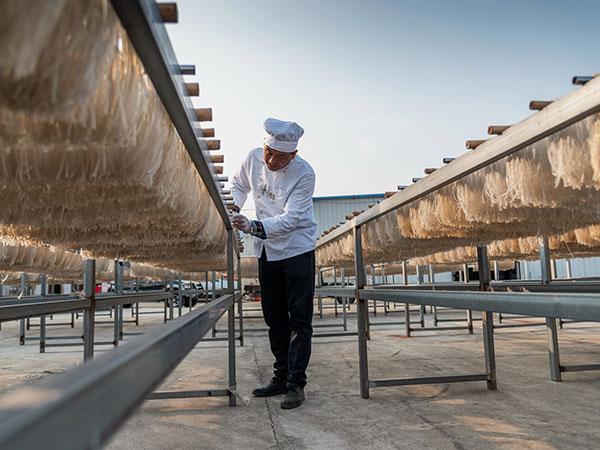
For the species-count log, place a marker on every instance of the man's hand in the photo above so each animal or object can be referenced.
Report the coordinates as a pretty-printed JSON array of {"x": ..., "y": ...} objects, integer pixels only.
[{"x": 240, "y": 222}]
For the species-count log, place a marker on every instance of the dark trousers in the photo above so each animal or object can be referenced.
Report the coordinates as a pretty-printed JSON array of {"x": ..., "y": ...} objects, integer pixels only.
[{"x": 287, "y": 290}]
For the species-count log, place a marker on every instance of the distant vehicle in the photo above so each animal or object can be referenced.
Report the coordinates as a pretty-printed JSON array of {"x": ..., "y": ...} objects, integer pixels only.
[{"x": 187, "y": 297}]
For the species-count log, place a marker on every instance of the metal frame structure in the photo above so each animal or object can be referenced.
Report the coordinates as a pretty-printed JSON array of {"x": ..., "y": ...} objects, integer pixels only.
[
  {"x": 83, "y": 407},
  {"x": 550, "y": 301},
  {"x": 56, "y": 413}
]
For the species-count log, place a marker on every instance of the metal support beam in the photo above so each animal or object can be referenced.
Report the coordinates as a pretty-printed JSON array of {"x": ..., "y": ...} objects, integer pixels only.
[
  {"x": 551, "y": 331},
  {"x": 56, "y": 413},
  {"x": 240, "y": 302},
  {"x": 180, "y": 295},
  {"x": 44, "y": 290},
  {"x": 553, "y": 350},
  {"x": 89, "y": 314},
  {"x": 344, "y": 302},
  {"x": 172, "y": 296},
  {"x": 231, "y": 317},
  {"x": 362, "y": 314}
]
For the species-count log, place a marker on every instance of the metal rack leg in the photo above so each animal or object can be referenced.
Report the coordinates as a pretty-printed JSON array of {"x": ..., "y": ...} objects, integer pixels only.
[
  {"x": 89, "y": 314},
  {"x": 43, "y": 334},
  {"x": 231, "y": 321},
  {"x": 116, "y": 326},
  {"x": 172, "y": 297},
  {"x": 362, "y": 348},
  {"x": 180, "y": 292},
  {"x": 489, "y": 351},
  {"x": 553, "y": 351},
  {"x": 22, "y": 332},
  {"x": 470, "y": 321},
  {"x": 44, "y": 291},
  {"x": 344, "y": 301},
  {"x": 121, "y": 308},
  {"x": 362, "y": 314},
  {"x": 407, "y": 319},
  {"x": 320, "y": 305}
]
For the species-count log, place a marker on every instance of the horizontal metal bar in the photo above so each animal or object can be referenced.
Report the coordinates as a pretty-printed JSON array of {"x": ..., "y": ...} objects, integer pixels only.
[
  {"x": 35, "y": 299},
  {"x": 464, "y": 327},
  {"x": 376, "y": 324},
  {"x": 579, "y": 367},
  {"x": 83, "y": 407},
  {"x": 188, "y": 394},
  {"x": 103, "y": 302},
  {"x": 428, "y": 380},
  {"x": 78, "y": 344},
  {"x": 40, "y": 308},
  {"x": 519, "y": 325},
  {"x": 561, "y": 113},
  {"x": 335, "y": 292},
  {"x": 429, "y": 287},
  {"x": 566, "y": 306},
  {"x": 338, "y": 334}
]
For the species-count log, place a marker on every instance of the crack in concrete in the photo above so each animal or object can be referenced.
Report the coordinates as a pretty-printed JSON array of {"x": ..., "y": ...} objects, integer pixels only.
[{"x": 269, "y": 412}]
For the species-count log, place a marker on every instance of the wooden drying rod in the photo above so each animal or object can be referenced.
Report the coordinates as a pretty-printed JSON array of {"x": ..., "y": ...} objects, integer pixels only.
[
  {"x": 429, "y": 170},
  {"x": 217, "y": 158},
  {"x": 388, "y": 194},
  {"x": 219, "y": 170},
  {"x": 213, "y": 144},
  {"x": 193, "y": 89},
  {"x": 208, "y": 132},
  {"x": 187, "y": 69},
  {"x": 168, "y": 12},
  {"x": 474, "y": 143},
  {"x": 497, "y": 129},
  {"x": 538, "y": 105},
  {"x": 579, "y": 80},
  {"x": 204, "y": 114}
]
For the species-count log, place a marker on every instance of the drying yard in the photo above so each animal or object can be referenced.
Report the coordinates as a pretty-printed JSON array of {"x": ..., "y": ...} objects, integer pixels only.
[
  {"x": 113, "y": 202},
  {"x": 527, "y": 411}
]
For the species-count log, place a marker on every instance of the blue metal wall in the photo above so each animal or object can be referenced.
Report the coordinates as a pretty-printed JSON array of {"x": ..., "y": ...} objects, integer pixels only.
[{"x": 330, "y": 211}]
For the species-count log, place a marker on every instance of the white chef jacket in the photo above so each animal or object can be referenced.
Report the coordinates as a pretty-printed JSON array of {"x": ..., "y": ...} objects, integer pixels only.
[{"x": 284, "y": 205}]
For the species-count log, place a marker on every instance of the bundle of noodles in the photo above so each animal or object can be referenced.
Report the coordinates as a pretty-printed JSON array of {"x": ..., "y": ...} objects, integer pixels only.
[
  {"x": 579, "y": 243},
  {"x": 41, "y": 260},
  {"x": 88, "y": 156},
  {"x": 145, "y": 272},
  {"x": 249, "y": 267},
  {"x": 339, "y": 252},
  {"x": 14, "y": 278}
]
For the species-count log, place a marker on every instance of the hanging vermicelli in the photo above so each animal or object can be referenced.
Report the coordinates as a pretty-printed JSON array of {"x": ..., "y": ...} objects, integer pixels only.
[
  {"x": 551, "y": 187},
  {"x": 89, "y": 159}
]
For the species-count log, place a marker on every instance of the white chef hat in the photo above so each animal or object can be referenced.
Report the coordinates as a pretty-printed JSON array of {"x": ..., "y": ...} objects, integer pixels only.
[{"x": 282, "y": 136}]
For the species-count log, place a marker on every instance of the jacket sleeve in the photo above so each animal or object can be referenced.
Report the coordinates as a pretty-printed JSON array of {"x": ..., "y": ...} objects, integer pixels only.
[
  {"x": 240, "y": 185},
  {"x": 296, "y": 211}
]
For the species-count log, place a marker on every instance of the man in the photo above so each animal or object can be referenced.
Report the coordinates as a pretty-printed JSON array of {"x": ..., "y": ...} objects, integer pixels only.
[{"x": 282, "y": 186}]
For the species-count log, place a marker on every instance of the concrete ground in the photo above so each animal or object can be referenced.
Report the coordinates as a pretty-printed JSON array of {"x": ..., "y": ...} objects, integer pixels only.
[{"x": 528, "y": 411}]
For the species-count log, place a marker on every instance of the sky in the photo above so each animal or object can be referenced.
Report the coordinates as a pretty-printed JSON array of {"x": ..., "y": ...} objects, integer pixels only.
[{"x": 383, "y": 89}]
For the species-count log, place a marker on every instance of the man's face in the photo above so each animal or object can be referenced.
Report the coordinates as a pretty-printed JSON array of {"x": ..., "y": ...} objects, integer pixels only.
[{"x": 277, "y": 160}]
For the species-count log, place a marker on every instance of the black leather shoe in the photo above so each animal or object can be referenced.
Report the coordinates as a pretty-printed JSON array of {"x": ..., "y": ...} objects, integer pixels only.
[
  {"x": 294, "y": 396},
  {"x": 275, "y": 387}
]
